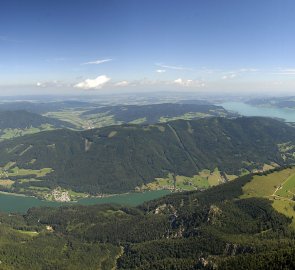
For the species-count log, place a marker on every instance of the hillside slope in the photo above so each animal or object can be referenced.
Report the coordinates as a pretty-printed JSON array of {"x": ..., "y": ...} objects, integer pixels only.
[
  {"x": 119, "y": 158},
  {"x": 155, "y": 113},
  {"x": 214, "y": 229},
  {"x": 18, "y": 123},
  {"x": 23, "y": 119}
]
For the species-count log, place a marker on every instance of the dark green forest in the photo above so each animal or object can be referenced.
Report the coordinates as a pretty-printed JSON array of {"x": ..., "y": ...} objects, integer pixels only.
[
  {"x": 23, "y": 119},
  {"x": 117, "y": 159},
  {"x": 154, "y": 112}
]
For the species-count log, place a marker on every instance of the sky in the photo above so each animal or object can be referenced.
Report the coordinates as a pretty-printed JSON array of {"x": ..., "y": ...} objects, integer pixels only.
[{"x": 114, "y": 46}]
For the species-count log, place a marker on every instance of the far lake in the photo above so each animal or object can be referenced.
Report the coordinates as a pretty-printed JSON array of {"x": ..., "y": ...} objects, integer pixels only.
[
  {"x": 13, "y": 203},
  {"x": 249, "y": 110}
]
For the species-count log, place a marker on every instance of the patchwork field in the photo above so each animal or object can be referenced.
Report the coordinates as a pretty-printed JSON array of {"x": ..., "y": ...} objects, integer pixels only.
[
  {"x": 83, "y": 122},
  {"x": 10, "y": 133},
  {"x": 203, "y": 180},
  {"x": 29, "y": 182},
  {"x": 71, "y": 116}
]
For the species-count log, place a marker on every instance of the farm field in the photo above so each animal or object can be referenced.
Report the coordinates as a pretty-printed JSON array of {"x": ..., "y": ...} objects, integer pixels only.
[
  {"x": 266, "y": 185},
  {"x": 200, "y": 181},
  {"x": 82, "y": 122},
  {"x": 10, "y": 133},
  {"x": 70, "y": 116},
  {"x": 287, "y": 189}
]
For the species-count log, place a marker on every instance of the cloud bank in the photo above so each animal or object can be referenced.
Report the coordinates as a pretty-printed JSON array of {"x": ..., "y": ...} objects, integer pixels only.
[
  {"x": 122, "y": 83},
  {"x": 96, "y": 83},
  {"x": 193, "y": 83}
]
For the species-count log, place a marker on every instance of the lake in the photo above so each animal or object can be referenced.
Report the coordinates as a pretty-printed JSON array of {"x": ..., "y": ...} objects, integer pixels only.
[
  {"x": 14, "y": 203},
  {"x": 250, "y": 110}
]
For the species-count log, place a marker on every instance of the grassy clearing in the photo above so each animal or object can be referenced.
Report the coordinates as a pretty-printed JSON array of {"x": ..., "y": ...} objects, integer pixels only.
[
  {"x": 186, "y": 116},
  {"x": 29, "y": 180},
  {"x": 265, "y": 186},
  {"x": 6, "y": 183},
  {"x": 112, "y": 134},
  {"x": 76, "y": 195},
  {"x": 10, "y": 133},
  {"x": 16, "y": 171},
  {"x": 102, "y": 120},
  {"x": 214, "y": 178},
  {"x": 9, "y": 165},
  {"x": 138, "y": 121},
  {"x": 39, "y": 188},
  {"x": 70, "y": 116},
  {"x": 287, "y": 189},
  {"x": 29, "y": 233},
  {"x": 278, "y": 187},
  {"x": 203, "y": 180},
  {"x": 84, "y": 122},
  {"x": 286, "y": 208}
]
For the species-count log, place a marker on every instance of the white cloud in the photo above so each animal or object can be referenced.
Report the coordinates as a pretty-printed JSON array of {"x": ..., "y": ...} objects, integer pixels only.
[
  {"x": 97, "y": 62},
  {"x": 54, "y": 83},
  {"x": 234, "y": 73},
  {"x": 229, "y": 76},
  {"x": 194, "y": 83},
  {"x": 161, "y": 70},
  {"x": 248, "y": 70},
  {"x": 172, "y": 67},
  {"x": 286, "y": 71},
  {"x": 122, "y": 83},
  {"x": 178, "y": 81},
  {"x": 96, "y": 83}
]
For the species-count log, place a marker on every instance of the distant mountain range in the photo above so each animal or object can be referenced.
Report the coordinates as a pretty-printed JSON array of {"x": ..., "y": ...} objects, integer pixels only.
[
  {"x": 154, "y": 113},
  {"x": 41, "y": 108}
]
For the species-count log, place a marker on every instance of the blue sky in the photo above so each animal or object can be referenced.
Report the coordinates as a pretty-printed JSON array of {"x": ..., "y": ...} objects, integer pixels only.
[{"x": 75, "y": 46}]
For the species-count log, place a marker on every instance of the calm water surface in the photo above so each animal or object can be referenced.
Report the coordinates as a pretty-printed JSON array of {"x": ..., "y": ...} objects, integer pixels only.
[
  {"x": 13, "y": 203},
  {"x": 249, "y": 110}
]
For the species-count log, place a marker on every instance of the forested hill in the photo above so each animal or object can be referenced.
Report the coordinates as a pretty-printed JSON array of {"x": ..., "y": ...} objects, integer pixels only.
[
  {"x": 159, "y": 112},
  {"x": 119, "y": 158},
  {"x": 224, "y": 227},
  {"x": 22, "y": 119}
]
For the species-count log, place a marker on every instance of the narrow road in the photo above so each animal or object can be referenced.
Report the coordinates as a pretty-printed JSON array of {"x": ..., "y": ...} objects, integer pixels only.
[{"x": 282, "y": 184}]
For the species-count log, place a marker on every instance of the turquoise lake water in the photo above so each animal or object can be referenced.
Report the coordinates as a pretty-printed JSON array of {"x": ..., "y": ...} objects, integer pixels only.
[
  {"x": 20, "y": 204},
  {"x": 249, "y": 110}
]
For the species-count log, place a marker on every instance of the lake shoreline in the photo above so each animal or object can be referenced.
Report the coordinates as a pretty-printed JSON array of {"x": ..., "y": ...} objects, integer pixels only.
[{"x": 13, "y": 202}]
